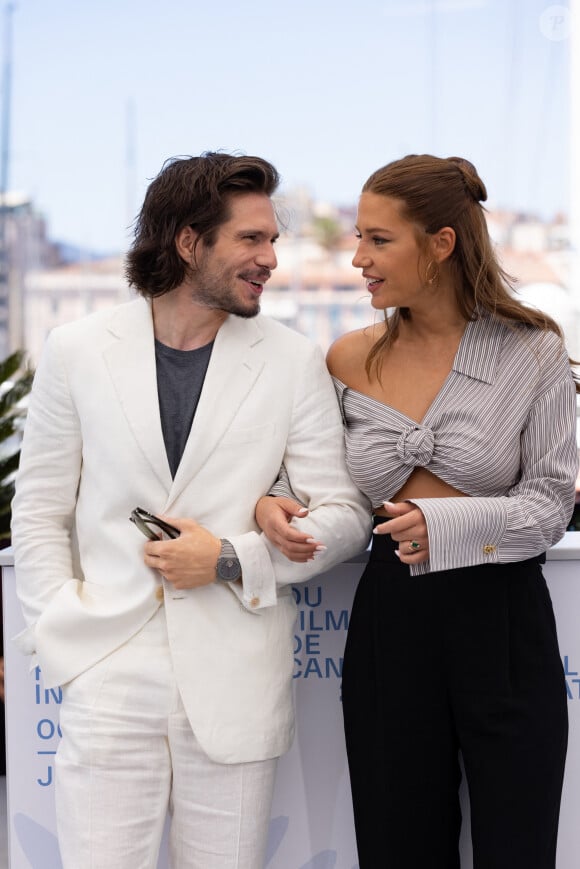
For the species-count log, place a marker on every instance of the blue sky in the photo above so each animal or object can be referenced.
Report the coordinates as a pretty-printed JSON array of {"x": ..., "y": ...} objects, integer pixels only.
[{"x": 327, "y": 90}]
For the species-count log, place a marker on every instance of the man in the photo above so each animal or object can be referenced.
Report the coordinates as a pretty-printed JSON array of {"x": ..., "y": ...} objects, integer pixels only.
[{"x": 175, "y": 655}]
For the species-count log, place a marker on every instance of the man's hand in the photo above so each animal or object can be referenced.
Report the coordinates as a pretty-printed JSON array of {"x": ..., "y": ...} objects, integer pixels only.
[
  {"x": 273, "y": 515},
  {"x": 190, "y": 560},
  {"x": 408, "y": 527}
]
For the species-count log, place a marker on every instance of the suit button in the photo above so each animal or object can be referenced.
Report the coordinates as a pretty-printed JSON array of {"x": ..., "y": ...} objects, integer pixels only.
[
  {"x": 489, "y": 549},
  {"x": 255, "y": 602},
  {"x": 159, "y": 593}
]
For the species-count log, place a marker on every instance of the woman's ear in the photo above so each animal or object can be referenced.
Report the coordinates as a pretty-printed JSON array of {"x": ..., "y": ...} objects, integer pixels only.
[
  {"x": 442, "y": 244},
  {"x": 185, "y": 244}
]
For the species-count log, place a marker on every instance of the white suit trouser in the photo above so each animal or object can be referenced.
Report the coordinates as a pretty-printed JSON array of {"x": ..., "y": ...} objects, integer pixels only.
[{"x": 128, "y": 755}]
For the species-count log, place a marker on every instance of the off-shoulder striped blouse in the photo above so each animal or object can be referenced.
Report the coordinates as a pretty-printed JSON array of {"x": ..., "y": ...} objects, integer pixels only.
[{"x": 502, "y": 429}]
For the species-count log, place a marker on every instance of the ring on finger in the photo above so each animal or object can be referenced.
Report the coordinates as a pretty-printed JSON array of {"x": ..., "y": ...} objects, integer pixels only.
[{"x": 414, "y": 546}]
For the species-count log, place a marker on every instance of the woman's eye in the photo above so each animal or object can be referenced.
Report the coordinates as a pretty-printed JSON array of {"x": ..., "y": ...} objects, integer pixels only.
[{"x": 379, "y": 241}]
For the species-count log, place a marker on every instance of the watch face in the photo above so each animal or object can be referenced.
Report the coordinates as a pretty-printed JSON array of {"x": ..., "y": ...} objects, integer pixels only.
[{"x": 228, "y": 569}]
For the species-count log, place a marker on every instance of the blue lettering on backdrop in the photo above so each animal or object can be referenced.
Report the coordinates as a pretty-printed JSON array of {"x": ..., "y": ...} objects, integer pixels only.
[
  {"x": 572, "y": 685},
  {"x": 325, "y": 668},
  {"x": 312, "y": 622},
  {"x": 46, "y": 728},
  {"x": 326, "y": 620},
  {"x": 307, "y": 594}
]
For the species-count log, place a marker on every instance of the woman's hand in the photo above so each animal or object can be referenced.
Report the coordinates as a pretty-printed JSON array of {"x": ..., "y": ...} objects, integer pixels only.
[
  {"x": 407, "y": 526},
  {"x": 273, "y": 515}
]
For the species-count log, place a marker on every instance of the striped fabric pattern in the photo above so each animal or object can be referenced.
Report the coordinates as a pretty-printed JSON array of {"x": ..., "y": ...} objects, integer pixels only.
[{"x": 502, "y": 429}]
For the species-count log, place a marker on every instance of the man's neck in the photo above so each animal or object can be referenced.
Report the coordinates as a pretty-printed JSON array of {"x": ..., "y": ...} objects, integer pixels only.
[{"x": 180, "y": 323}]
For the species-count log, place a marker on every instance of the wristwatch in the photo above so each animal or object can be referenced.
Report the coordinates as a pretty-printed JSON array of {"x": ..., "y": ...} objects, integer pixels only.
[{"x": 228, "y": 567}]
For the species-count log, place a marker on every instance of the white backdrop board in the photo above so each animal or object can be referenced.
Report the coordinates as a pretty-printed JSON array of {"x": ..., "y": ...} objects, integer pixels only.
[{"x": 311, "y": 825}]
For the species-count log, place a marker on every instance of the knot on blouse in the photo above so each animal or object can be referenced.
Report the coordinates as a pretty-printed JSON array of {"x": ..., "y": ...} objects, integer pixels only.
[{"x": 415, "y": 445}]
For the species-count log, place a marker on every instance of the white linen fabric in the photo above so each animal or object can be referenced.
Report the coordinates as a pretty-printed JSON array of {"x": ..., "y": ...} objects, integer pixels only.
[
  {"x": 128, "y": 752},
  {"x": 93, "y": 450}
]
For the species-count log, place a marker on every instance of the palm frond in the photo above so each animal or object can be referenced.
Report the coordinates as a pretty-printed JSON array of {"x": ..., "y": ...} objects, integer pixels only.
[
  {"x": 15, "y": 384},
  {"x": 10, "y": 365}
]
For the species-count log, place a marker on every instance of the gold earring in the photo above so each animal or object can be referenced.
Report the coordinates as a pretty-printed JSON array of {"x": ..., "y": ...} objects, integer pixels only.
[{"x": 432, "y": 273}]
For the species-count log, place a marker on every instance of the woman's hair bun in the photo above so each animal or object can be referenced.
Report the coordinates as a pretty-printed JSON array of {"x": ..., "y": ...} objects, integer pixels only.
[{"x": 473, "y": 183}]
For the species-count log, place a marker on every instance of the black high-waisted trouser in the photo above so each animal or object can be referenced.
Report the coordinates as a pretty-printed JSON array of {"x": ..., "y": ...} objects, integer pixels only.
[{"x": 459, "y": 660}]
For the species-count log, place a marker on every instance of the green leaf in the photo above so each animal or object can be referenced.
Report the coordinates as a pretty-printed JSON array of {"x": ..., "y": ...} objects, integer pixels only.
[{"x": 15, "y": 384}]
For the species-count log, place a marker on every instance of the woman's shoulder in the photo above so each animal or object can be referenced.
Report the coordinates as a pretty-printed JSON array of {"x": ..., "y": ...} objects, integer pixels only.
[
  {"x": 543, "y": 344},
  {"x": 537, "y": 349},
  {"x": 348, "y": 354}
]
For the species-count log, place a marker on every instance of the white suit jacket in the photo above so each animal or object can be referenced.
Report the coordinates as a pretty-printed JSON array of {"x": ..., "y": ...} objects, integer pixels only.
[{"x": 93, "y": 450}]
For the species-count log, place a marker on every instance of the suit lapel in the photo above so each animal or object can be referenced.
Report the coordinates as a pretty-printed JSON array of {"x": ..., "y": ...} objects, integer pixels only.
[
  {"x": 130, "y": 359},
  {"x": 234, "y": 367}
]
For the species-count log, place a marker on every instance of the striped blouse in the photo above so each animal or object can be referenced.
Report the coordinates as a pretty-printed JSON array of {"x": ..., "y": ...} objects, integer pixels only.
[{"x": 502, "y": 429}]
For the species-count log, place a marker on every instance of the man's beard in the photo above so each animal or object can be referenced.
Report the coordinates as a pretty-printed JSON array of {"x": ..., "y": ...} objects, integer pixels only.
[
  {"x": 224, "y": 299},
  {"x": 214, "y": 287}
]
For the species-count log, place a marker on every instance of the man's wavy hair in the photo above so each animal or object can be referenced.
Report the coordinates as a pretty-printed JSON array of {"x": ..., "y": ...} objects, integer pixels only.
[{"x": 189, "y": 191}]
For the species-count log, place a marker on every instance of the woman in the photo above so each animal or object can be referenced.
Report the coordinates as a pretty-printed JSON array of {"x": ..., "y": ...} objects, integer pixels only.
[{"x": 460, "y": 416}]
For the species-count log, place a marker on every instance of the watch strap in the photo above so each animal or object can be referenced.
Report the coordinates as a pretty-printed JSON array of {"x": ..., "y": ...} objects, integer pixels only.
[{"x": 228, "y": 567}]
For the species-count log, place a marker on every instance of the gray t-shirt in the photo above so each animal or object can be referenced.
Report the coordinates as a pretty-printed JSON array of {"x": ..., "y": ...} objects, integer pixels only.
[{"x": 180, "y": 376}]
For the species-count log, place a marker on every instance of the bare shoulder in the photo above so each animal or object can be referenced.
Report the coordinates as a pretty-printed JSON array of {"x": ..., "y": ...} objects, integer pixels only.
[{"x": 347, "y": 355}]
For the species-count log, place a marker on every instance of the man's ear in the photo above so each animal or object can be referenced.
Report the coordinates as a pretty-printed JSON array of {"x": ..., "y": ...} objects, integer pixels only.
[
  {"x": 185, "y": 244},
  {"x": 442, "y": 244}
]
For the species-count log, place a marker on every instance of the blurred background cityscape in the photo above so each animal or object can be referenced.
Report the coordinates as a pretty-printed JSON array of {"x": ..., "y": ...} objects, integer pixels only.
[
  {"x": 315, "y": 289},
  {"x": 95, "y": 96},
  {"x": 327, "y": 93}
]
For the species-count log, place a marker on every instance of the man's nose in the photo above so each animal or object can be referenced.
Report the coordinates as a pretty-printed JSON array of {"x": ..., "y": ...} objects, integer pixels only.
[{"x": 267, "y": 257}]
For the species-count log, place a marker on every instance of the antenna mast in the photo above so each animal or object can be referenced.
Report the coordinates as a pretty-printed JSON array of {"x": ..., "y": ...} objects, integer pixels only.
[{"x": 4, "y": 177}]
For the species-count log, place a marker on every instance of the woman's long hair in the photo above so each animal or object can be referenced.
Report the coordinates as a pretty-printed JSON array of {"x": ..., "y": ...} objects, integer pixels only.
[{"x": 433, "y": 192}]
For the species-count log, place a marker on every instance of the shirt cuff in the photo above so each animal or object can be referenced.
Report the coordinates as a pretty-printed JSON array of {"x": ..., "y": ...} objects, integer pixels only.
[
  {"x": 258, "y": 587},
  {"x": 463, "y": 531}
]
